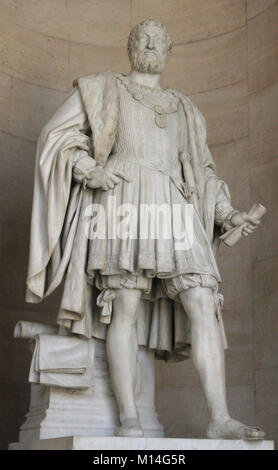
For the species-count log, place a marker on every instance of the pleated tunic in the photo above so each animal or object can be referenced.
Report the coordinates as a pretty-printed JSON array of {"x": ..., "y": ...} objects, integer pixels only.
[{"x": 148, "y": 244}]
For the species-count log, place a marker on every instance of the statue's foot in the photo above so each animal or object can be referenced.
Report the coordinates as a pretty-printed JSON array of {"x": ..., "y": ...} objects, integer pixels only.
[
  {"x": 233, "y": 429},
  {"x": 130, "y": 427}
]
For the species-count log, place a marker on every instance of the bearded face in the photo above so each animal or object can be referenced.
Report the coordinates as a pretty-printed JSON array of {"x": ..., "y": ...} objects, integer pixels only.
[{"x": 149, "y": 51}]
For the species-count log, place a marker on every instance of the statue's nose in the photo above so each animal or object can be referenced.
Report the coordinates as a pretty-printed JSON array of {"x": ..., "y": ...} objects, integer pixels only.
[{"x": 150, "y": 44}]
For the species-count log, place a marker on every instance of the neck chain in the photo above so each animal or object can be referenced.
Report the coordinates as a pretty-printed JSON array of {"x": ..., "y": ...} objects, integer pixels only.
[{"x": 161, "y": 100}]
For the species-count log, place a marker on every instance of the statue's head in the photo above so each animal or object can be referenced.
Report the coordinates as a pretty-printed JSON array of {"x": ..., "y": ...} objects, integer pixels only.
[{"x": 149, "y": 47}]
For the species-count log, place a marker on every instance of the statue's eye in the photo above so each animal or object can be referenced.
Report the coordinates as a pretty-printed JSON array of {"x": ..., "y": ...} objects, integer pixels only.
[{"x": 142, "y": 38}]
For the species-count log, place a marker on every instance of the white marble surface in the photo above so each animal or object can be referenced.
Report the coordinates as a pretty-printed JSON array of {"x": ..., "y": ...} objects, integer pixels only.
[
  {"x": 57, "y": 412},
  {"x": 147, "y": 144},
  {"x": 128, "y": 443}
]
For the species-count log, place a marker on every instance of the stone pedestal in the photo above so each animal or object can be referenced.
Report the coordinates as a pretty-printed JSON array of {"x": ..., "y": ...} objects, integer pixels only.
[
  {"x": 126, "y": 443},
  {"x": 60, "y": 412}
]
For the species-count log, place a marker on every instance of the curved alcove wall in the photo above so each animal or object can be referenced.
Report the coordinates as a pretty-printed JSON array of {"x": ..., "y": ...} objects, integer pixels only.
[
  {"x": 225, "y": 58},
  {"x": 262, "y": 28}
]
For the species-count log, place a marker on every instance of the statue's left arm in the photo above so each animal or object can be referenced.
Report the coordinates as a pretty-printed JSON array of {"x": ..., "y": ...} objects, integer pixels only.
[
  {"x": 223, "y": 207},
  {"x": 225, "y": 215}
]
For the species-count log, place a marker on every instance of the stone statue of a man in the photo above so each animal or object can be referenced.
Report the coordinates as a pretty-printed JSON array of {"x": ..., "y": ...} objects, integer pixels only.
[{"x": 124, "y": 145}]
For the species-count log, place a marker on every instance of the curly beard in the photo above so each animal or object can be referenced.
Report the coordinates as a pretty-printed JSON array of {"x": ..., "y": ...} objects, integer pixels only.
[{"x": 147, "y": 62}]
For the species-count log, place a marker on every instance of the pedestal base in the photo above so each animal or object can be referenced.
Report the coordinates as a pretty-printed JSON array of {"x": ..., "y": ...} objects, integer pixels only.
[
  {"x": 57, "y": 412},
  {"x": 147, "y": 443}
]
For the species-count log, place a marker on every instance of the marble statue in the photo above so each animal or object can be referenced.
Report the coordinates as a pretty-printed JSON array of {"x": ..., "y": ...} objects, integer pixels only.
[{"x": 120, "y": 153}]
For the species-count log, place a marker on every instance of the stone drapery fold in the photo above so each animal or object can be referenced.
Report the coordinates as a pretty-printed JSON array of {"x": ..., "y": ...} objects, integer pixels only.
[{"x": 58, "y": 248}]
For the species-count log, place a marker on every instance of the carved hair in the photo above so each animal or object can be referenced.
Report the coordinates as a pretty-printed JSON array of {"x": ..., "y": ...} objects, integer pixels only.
[{"x": 150, "y": 22}]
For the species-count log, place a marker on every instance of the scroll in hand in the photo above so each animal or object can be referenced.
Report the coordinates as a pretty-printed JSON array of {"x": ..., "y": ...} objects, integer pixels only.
[{"x": 231, "y": 237}]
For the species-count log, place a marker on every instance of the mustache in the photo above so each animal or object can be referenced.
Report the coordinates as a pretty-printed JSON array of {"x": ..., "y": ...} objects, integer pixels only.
[
  {"x": 147, "y": 51},
  {"x": 147, "y": 56},
  {"x": 153, "y": 63}
]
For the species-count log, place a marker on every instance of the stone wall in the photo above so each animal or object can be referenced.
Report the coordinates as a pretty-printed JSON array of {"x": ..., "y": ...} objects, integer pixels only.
[
  {"x": 262, "y": 29},
  {"x": 224, "y": 59}
]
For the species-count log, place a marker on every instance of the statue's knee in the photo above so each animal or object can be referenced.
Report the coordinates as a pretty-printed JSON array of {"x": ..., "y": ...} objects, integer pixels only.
[
  {"x": 126, "y": 304},
  {"x": 200, "y": 302}
]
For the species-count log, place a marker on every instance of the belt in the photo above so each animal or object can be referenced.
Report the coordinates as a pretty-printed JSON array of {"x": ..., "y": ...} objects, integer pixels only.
[{"x": 152, "y": 165}]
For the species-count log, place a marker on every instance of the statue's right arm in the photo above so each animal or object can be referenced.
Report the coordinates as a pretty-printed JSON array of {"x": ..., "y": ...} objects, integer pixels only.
[
  {"x": 69, "y": 128},
  {"x": 67, "y": 132}
]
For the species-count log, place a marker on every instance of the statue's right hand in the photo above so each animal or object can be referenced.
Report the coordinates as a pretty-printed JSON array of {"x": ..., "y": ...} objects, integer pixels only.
[{"x": 106, "y": 178}]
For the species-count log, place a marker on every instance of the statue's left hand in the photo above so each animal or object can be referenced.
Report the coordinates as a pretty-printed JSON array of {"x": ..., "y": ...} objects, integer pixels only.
[{"x": 250, "y": 222}]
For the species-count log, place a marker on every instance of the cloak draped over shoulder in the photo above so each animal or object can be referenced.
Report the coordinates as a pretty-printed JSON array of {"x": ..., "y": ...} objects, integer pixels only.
[{"x": 85, "y": 125}]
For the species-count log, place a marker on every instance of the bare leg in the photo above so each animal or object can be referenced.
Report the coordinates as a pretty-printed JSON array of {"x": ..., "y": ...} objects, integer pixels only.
[
  {"x": 122, "y": 350},
  {"x": 208, "y": 358}
]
